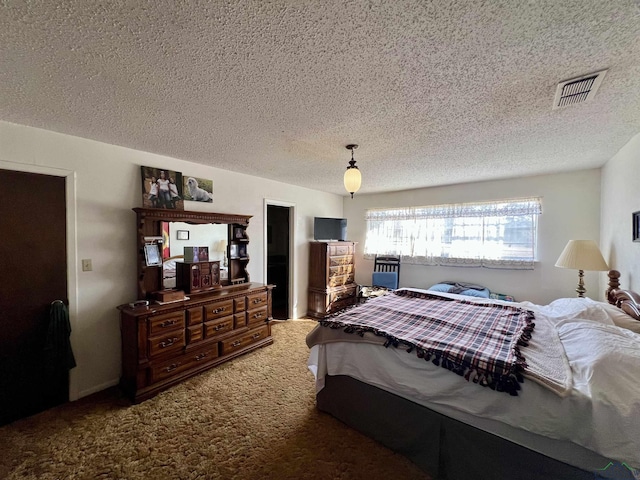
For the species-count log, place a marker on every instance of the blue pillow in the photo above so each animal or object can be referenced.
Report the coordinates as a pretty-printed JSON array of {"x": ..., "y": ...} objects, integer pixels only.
[
  {"x": 470, "y": 292},
  {"x": 440, "y": 287}
]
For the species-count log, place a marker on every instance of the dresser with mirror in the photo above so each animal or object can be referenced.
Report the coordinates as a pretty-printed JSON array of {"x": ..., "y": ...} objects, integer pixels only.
[{"x": 190, "y": 315}]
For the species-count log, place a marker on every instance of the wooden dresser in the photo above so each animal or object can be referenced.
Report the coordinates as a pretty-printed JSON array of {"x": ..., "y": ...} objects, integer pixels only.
[
  {"x": 164, "y": 344},
  {"x": 218, "y": 319},
  {"x": 332, "y": 272}
]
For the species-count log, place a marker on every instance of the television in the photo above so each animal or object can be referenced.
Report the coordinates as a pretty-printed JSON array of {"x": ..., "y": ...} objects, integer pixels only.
[{"x": 330, "y": 229}]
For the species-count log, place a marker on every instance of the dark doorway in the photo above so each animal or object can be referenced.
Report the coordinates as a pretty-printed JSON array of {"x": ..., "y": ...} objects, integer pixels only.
[
  {"x": 278, "y": 258},
  {"x": 33, "y": 250}
]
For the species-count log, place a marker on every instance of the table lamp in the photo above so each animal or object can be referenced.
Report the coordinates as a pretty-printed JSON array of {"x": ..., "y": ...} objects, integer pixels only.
[
  {"x": 582, "y": 255},
  {"x": 222, "y": 248}
]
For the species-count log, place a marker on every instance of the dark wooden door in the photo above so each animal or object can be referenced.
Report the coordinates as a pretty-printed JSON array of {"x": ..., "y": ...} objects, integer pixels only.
[
  {"x": 278, "y": 258},
  {"x": 33, "y": 260}
]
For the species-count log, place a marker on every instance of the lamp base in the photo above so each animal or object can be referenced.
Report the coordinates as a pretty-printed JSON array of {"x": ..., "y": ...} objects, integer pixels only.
[{"x": 581, "y": 290}]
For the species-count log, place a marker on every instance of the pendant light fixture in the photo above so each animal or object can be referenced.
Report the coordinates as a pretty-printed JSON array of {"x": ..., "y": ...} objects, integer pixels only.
[{"x": 352, "y": 177}]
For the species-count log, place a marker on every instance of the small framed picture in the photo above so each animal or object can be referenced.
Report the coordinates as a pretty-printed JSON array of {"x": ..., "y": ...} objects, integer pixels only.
[
  {"x": 636, "y": 226},
  {"x": 152, "y": 255},
  {"x": 233, "y": 251},
  {"x": 242, "y": 251},
  {"x": 182, "y": 235},
  {"x": 238, "y": 232}
]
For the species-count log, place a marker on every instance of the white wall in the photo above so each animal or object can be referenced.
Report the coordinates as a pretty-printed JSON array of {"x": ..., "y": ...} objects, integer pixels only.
[
  {"x": 620, "y": 198},
  {"x": 571, "y": 210},
  {"x": 105, "y": 186}
]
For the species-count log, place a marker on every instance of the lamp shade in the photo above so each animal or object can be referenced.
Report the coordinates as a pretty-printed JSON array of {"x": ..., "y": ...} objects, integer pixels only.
[
  {"x": 221, "y": 246},
  {"x": 582, "y": 255},
  {"x": 352, "y": 179}
]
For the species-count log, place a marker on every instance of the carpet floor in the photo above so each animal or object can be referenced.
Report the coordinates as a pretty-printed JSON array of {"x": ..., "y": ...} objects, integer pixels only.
[{"x": 251, "y": 418}]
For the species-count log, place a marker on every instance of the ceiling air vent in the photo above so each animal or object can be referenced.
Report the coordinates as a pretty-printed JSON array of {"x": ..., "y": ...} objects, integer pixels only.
[{"x": 578, "y": 90}]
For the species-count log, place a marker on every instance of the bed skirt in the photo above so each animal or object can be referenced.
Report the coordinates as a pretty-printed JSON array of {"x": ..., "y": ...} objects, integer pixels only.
[{"x": 443, "y": 447}]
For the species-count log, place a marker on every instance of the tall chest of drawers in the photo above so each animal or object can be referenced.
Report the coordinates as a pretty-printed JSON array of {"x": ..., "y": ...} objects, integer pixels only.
[
  {"x": 332, "y": 272},
  {"x": 164, "y": 344}
]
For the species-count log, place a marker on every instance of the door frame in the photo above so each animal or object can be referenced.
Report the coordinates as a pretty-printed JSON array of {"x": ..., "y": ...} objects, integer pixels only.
[
  {"x": 72, "y": 255},
  {"x": 292, "y": 306}
]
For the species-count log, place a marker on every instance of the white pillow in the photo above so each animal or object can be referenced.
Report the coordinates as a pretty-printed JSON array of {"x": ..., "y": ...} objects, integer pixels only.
[
  {"x": 621, "y": 319},
  {"x": 577, "y": 308}
]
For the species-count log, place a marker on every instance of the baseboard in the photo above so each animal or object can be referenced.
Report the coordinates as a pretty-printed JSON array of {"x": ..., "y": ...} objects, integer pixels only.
[{"x": 98, "y": 388}]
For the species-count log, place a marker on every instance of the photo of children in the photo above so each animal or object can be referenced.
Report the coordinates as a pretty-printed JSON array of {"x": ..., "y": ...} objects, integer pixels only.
[{"x": 162, "y": 188}]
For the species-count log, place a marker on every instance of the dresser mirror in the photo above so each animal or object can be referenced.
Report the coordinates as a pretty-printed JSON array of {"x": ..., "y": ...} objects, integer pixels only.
[
  {"x": 214, "y": 236},
  {"x": 216, "y": 231}
]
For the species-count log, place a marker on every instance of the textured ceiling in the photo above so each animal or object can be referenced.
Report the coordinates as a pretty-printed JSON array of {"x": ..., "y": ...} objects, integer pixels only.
[{"x": 434, "y": 92}]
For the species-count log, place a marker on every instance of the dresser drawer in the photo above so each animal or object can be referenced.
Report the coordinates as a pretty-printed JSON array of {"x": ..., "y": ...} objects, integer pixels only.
[
  {"x": 218, "y": 310},
  {"x": 341, "y": 249},
  {"x": 343, "y": 260},
  {"x": 343, "y": 293},
  {"x": 194, "y": 316},
  {"x": 339, "y": 280},
  {"x": 159, "y": 324},
  {"x": 256, "y": 300},
  {"x": 240, "y": 319},
  {"x": 195, "y": 333},
  {"x": 240, "y": 341},
  {"x": 239, "y": 304},
  {"x": 218, "y": 327},
  {"x": 181, "y": 363},
  {"x": 169, "y": 342},
  {"x": 342, "y": 303},
  {"x": 257, "y": 316},
  {"x": 341, "y": 270}
]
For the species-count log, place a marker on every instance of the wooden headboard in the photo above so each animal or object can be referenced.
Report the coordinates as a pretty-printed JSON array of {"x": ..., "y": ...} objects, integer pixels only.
[{"x": 626, "y": 300}]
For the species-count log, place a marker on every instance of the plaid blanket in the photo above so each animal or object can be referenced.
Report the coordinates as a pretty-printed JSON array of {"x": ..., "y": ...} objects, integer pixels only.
[{"x": 480, "y": 341}]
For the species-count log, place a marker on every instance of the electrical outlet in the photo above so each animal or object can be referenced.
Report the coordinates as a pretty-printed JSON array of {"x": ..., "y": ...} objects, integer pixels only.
[{"x": 86, "y": 265}]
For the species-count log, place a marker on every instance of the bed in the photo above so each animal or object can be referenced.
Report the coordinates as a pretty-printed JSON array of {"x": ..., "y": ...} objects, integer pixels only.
[
  {"x": 169, "y": 271},
  {"x": 579, "y": 419}
]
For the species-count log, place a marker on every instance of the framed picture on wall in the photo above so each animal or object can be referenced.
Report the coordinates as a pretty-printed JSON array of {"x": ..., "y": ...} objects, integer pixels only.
[
  {"x": 161, "y": 188},
  {"x": 198, "y": 189},
  {"x": 636, "y": 226},
  {"x": 182, "y": 235}
]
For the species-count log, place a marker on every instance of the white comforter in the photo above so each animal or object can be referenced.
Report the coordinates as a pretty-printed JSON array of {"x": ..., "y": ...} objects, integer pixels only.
[{"x": 601, "y": 411}]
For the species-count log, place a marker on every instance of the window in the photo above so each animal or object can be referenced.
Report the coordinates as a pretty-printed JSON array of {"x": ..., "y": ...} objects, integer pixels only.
[{"x": 499, "y": 234}]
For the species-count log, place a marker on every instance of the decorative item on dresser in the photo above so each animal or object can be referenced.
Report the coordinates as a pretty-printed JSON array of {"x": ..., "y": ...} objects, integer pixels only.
[
  {"x": 164, "y": 343},
  {"x": 198, "y": 276},
  {"x": 332, "y": 272}
]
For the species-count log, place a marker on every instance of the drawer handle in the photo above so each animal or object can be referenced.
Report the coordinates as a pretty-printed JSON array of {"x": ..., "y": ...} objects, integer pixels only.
[
  {"x": 258, "y": 315},
  {"x": 168, "y": 323},
  {"x": 200, "y": 356},
  {"x": 172, "y": 367},
  {"x": 236, "y": 343},
  {"x": 257, "y": 300},
  {"x": 220, "y": 327},
  {"x": 219, "y": 310},
  {"x": 256, "y": 335},
  {"x": 168, "y": 342}
]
